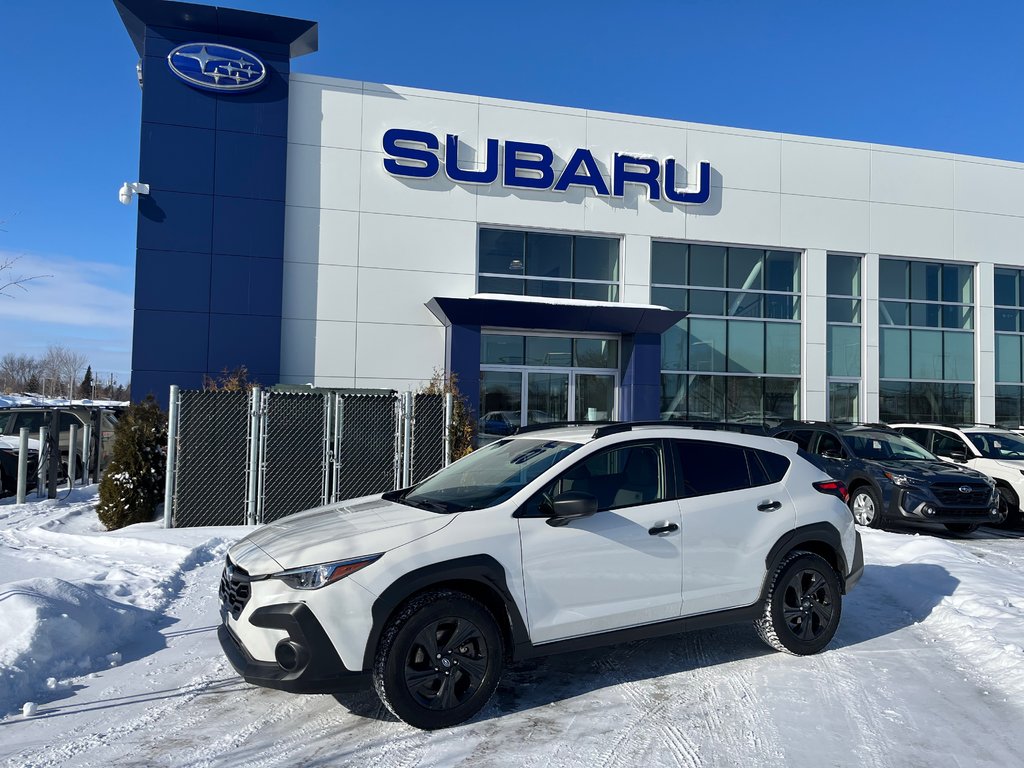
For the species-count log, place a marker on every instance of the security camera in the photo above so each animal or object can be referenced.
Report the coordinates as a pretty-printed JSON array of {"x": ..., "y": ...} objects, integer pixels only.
[{"x": 129, "y": 190}]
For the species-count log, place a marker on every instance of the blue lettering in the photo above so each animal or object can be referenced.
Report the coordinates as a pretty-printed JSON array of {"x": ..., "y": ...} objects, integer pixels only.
[
  {"x": 700, "y": 195},
  {"x": 451, "y": 163},
  {"x": 571, "y": 174},
  {"x": 649, "y": 176},
  {"x": 393, "y": 136},
  {"x": 542, "y": 165}
]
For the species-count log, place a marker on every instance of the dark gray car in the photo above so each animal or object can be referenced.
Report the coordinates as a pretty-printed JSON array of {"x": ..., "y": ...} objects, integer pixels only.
[{"x": 891, "y": 477}]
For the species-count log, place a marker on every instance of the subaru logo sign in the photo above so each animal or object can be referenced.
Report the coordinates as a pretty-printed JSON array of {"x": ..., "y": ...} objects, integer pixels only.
[
  {"x": 965, "y": 489},
  {"x": 215, "y": 67}
]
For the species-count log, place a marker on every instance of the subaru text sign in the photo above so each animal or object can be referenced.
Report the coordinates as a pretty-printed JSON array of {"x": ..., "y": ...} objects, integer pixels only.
[
  {"x": 215, "y": 67},
  {"x": 413, "y": 154}
]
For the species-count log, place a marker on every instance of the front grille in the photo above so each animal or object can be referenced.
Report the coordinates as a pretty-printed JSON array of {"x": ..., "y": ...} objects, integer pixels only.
[
  {"x": 234, "y": 589},
  {"x": 950, "y": 495}
]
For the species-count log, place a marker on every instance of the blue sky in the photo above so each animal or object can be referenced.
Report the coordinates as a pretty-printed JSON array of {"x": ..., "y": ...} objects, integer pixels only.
[{"x": 921, "y": 73}]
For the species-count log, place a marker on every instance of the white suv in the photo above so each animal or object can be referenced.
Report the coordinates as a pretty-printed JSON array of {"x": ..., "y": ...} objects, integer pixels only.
[
  {"x": 996, "y": 452},
  {"x": 545, "y": 541}
]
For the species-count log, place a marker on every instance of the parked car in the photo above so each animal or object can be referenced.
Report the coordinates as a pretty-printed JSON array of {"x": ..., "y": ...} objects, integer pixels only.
[
  {"x": 996, "y": 452},
  {"x": 103, "y": 419},
  {"x": 9, "y": 448},
  {"x": 891, "y": 477},
  {"x": 546, "y": 541}
]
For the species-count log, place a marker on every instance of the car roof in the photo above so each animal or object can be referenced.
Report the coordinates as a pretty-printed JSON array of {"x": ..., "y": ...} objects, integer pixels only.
[{"x": 588, "y": 432}]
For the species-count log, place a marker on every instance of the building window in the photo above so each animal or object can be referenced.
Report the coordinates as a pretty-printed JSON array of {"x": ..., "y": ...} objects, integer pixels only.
[
  {"x": 541, "y": 264},
  {"x": 926, "y": 341},
  {"x": 737, "y": 356},
  {"x": 843, "y": 289},
  {"x": 1009, "y": 321}
]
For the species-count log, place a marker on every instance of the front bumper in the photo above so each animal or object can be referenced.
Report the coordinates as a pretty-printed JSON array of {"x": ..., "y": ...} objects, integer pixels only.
[
  {"x": 312, "y": 663},
  {"x": 914, "y": 506}
]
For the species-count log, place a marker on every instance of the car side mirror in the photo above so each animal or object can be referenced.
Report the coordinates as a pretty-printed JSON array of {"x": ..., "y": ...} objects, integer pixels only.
[
  {"x": 958, "y": 455},
  {"x": 569, "y": 506},
  {"x": 832, "y": 454}
]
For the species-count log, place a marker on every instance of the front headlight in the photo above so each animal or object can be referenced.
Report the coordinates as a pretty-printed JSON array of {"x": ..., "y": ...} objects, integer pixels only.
[
  {"x": 903, "y": 481},
  {"x": 316, "y": 576}
]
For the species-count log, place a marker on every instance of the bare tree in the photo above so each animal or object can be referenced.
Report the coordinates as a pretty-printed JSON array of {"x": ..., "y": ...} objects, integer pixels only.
[
  {"x": 62, "y": 366},
  {"x": 11, "y": 281},
  {"x": 16, "y": 371}
]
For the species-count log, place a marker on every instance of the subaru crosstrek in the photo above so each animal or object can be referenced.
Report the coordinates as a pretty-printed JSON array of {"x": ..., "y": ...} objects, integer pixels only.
[
  {"x": 891, "y": 477},
  {"x": 545, "y": 541}
]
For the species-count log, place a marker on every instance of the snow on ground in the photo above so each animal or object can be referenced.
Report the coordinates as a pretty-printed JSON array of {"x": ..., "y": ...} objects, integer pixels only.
[
  {"x": 13, "y": 400},
  {"x": 113, "y": 635}
]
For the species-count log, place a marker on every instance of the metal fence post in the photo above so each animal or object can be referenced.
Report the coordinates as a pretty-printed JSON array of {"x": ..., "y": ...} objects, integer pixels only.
[
  {"x": 449, "y": 414},
  {"x": 22, "y": 464},
  {"x": 172, "y": 457},
  {"x": 255, "y": 402},
  {"x": 261, "y": 457},
  {"x": 41, "y": 465},
  {"x": 86, "y": 452},
  {"x": 73, "y": 454},
  {"x": 407, "y": 440}
]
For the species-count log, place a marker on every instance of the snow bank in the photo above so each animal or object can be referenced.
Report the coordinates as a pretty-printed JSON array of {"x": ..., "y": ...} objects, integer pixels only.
[
  {"x": 981, "y": 620},
  {"x": 55, "y": 629}
]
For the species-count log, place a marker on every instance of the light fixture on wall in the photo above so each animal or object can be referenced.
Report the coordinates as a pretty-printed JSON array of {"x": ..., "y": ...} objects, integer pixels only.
[
  {"x": 516, "y": 265},
  {"x": 129, "y": 190}
]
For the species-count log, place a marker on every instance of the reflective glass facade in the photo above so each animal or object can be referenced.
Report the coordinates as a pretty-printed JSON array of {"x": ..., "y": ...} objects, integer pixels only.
[
  {"x": 926, "y": 341},
  {"x": 1009, "y": 326},
  {"x": 543, "y": 264},
  {"x": 737, "y": 356},
  {"x": 843, "y": 341}
]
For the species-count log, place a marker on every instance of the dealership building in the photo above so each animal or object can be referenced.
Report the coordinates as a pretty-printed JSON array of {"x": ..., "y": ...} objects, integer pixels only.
[{"x": 563, "y": 263}]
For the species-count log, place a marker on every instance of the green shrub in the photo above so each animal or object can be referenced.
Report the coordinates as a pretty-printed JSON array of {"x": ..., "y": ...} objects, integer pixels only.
[{"x": 133, "y": 483}]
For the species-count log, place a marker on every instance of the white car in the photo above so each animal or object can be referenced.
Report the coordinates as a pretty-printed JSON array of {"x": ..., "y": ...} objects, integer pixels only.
[
  {"x": 549, "y": 540},
  {"x": 996, "y": 452}
]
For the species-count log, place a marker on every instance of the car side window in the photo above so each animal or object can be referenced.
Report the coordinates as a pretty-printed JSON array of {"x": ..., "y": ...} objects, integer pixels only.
[
  {"x": 32, "y": 420},
  {"x": 775, "y": 466},
  {"x": 918, "y": 435},
  {"x": 623, "y": 476},
  {"x": 828, "y": 445},
  {"x": 801, "y": 437},
  {"x": 945, "y": 444},
  {"x": 705, "y": 467},
  {"x": 67, "y": 420}
]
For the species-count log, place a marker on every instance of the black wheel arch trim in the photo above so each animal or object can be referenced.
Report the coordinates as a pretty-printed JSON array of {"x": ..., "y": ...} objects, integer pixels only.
[
  {"x": 479, "y": 572},
  {"x": 816, "y": 534}
]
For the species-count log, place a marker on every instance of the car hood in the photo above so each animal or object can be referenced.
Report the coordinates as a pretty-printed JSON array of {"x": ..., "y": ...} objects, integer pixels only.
[
  {"x": 364, "y": 526},
  {"x": 930, "y": 471},
  {"x": 11, "y": 443}
]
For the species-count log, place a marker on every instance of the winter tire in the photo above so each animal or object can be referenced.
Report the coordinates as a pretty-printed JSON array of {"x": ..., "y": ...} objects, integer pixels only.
[
  {"x": 804, "y": 605},
  {"x": 439, "y": 660},
  {"x": 1009, "y": 504},
  {"x": 961, "y": 529},
  {"x": 866, "y": 508}
]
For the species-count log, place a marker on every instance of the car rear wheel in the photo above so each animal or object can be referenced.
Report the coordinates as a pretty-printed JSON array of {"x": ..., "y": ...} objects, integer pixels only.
[
  {"x": 804, "y": 605},
  {"x": 866, "y": 507},
  {"x": 439, "y": 660}
]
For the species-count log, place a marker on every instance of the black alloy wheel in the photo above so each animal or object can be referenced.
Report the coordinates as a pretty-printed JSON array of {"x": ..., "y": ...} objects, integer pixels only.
[
  {"x": 804, "y": 605},
  {"x": 439, "y": 660}
]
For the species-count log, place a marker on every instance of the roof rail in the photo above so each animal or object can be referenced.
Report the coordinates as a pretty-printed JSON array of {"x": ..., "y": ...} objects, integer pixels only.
[{"x": 558, "y": 425}]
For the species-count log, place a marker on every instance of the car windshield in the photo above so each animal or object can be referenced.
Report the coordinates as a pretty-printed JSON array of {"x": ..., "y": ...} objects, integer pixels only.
[
  {"x": 884, "y": 445},
  {"x": 998, "y": 445},
  {"x": 487, "y": 476}
]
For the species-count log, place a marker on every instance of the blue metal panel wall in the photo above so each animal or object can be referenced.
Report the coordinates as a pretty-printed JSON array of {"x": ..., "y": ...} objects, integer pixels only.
[{"x": 211, "y": 231}]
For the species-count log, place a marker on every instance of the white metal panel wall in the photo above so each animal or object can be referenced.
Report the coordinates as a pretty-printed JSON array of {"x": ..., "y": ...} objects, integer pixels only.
[{"x": 365, "y": 250}]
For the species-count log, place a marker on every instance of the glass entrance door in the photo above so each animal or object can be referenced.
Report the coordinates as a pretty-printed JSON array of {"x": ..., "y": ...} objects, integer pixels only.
[
  {"x": 547, "y": 397},
  {"x": 595, "y": 397}
]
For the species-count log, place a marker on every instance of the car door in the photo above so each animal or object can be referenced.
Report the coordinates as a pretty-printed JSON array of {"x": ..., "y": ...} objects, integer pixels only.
[
  {"x": 830, "y": 455},
  {"x": 615, "y": 569},
  {"x": 734, "y": 507}
]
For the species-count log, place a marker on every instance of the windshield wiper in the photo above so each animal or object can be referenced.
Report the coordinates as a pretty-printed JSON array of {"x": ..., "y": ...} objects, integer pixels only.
[{"x": 433, "y": 506}]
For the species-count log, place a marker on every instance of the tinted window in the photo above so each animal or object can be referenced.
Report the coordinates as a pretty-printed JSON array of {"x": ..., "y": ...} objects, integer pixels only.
[
  {"x": 703, "y": 468},
  {"x": 801, "y": 437},
  {"x": 775, "y": 465},
  {"x": 945, "y": 443},
  {"x": 916, "y": 434},
  {"x": 758, "y": 474}
]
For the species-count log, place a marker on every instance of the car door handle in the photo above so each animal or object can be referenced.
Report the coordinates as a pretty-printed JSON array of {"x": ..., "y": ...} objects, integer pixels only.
[
  {"x": 662, "y": 528},
  {"x": 769, "y": 506}
]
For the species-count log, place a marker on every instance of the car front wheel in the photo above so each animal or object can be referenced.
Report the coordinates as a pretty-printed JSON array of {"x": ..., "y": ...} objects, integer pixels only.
[
  {"x": 865, "y": 507},
  {"x": 439, "y": 660},
  {"x": 804, "y": 605}
]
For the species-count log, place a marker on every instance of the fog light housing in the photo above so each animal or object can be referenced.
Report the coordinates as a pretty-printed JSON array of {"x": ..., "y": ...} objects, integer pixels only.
[
  {"x": 929, "y": 510},
  {"x": 290, "y": 656}
]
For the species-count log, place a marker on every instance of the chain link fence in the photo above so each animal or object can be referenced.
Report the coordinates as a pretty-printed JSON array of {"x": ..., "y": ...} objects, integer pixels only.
[{"x": 256, "y": 456}]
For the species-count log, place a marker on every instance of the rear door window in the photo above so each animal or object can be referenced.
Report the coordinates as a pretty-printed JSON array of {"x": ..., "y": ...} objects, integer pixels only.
[{"x": 704, "y": 467}]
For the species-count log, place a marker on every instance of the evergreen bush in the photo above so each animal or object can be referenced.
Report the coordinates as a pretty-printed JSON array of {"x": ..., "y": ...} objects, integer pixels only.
[{"x": 133, "y": 483}]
